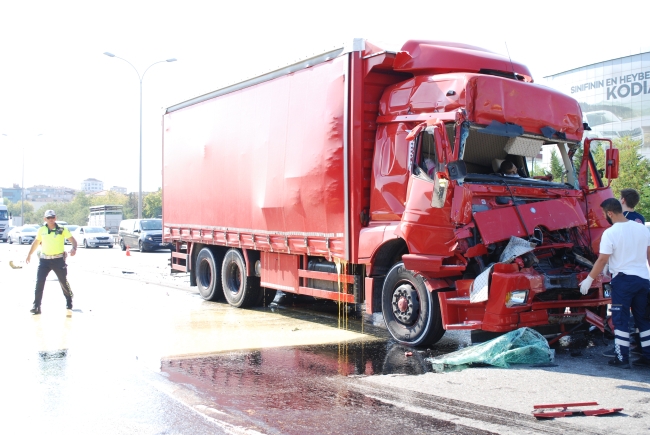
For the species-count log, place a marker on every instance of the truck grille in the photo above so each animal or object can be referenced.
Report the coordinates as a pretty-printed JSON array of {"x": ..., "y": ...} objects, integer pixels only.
[{"x": 157, "y": 238}]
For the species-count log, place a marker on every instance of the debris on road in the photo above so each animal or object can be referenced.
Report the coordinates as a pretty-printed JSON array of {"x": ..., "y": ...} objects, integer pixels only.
[
  {"x": 522, "y": 346},
  {"x": 15, "y": 266},
  {"x": 562, "y": 410}
]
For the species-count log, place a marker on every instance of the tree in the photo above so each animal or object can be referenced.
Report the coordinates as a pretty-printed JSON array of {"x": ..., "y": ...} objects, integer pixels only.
[
  {"x": 74, "y": 212},
  {"x": 152, "y": 205},
  {"x": 536, "y": 170},
  {"x": 28, "y": 209},
  {"x": 634, "y": 172},
  {"x": 557, "y": 168}
]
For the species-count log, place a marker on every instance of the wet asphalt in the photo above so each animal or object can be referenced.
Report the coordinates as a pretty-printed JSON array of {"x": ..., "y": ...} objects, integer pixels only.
[{"x": 142, "y": 353}]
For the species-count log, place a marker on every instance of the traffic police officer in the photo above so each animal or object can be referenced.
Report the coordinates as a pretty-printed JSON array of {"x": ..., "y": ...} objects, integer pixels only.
[
  {"x": 626, "y": 245},
  {"x": 51, "y": 236}
]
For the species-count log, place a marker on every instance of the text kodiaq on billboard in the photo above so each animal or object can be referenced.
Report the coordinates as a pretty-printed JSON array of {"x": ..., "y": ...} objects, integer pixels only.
[{"x": 619, "y": 86}]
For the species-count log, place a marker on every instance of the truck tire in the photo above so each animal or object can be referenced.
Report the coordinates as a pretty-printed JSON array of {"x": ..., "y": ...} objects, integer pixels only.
[
  {"x": 122, "y": 245},
  {"x": 208, "y": 276},
  {"x": 240, "y": 290},
  {"x": 411, "y": 313}
]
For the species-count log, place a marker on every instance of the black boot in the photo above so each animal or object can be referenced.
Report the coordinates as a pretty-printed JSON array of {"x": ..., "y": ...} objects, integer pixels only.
[{"x": 35, "y": 310}]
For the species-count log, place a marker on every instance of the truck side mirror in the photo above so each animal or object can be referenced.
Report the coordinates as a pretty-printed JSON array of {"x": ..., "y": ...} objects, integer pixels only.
[
  {"x": 611, "y": 163},
  {"x": 457, "y": 170}
]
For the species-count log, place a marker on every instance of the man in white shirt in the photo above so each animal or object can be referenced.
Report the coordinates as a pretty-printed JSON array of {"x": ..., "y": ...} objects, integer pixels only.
[{"x": 626, "y": 246}]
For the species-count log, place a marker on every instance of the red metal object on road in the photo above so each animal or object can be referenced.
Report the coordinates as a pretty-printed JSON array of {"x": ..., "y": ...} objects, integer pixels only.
[
  {"x": 562, "y": 410},
  {"x": 368, "y": 177}
]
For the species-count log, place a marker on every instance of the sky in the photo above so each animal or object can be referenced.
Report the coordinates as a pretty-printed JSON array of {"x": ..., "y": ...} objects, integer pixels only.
[{"x": 74, "y": 112}]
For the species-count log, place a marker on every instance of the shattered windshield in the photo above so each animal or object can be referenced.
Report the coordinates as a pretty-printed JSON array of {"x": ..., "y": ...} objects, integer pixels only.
[{"x": 519, "y": 160}]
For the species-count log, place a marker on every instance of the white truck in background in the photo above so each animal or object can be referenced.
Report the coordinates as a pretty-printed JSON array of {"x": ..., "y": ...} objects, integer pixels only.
[
  {"x": 106, "y": 216},
  {"x": 4, "y": 217}
]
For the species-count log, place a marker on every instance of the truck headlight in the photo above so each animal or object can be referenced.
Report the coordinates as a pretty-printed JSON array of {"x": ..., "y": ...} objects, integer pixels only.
[
  {"x": 517, "y": 297},
  {"x": 149, "y": 238}
]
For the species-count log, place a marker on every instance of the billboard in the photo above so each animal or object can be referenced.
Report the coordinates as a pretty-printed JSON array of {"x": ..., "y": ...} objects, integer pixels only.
[{"x": 614, "y": 96}]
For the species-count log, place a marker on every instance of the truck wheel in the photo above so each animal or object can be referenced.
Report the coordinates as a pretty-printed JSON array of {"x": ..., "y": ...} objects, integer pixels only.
[
  {"x": 411, "y": 313},
  {"x": 240, "y": 290},
  {"x": 141, "y": 246},
  {"x": 208, "y": 276},
  {"x": 122, "y": 245}
]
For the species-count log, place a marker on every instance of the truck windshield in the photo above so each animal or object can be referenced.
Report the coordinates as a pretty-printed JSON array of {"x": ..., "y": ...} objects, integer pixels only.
[
  {"x": 153, "y": 224},
  {"x": 4, "y": 215},
  {"x": 536, "y": 163}
]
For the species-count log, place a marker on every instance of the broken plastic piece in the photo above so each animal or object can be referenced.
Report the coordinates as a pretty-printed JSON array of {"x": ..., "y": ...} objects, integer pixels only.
[
  {"x": 563, "y": 411},
  {"x": 595, "y": 320},
  {"x": 508, "y": 129}
]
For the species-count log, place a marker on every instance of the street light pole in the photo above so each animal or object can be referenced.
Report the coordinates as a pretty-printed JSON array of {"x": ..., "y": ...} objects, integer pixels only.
[
  {"x": 22, "y": 184},
  {"x": 22, "y": 188},
  {"x": 140, "y": 78}
]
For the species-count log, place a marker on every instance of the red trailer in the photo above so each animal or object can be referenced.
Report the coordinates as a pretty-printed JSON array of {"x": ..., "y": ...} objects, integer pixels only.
[{"x": 367, "y": 176}]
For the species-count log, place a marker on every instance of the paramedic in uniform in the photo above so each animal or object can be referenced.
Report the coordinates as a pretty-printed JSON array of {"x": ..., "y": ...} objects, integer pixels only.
[
  {"x": 626, "y": 245},
  {"x": 51, "y": 236}
]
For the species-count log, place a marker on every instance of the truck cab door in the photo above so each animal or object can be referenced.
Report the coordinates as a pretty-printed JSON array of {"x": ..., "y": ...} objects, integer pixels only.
[{"x": 426, "y": 225}]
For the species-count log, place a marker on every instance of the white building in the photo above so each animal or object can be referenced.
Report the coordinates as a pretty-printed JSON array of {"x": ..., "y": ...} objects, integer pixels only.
[
  {"x": 92, "y": 185},
  {"x": 119, "y": 189},
  {"x": 614, "y": 96},
  {"x": 46, "y": 194}
]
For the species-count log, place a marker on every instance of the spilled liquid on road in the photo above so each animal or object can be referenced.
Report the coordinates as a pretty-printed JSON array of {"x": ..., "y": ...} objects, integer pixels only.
[{"x": 306, "y": 390}]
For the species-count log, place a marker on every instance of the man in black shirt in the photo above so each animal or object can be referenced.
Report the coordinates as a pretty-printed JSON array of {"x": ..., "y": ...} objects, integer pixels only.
[{"x": 629, "y": 199}]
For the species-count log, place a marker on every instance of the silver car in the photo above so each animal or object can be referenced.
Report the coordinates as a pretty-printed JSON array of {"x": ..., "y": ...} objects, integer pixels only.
[
  {"x": 70, "y": 228},
  {"x": 93, "y": 237},
  {"x": 21, "y": 235},
  {"x": 4, "y": 233}
]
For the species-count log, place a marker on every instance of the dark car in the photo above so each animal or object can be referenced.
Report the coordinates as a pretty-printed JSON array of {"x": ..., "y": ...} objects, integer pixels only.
[{"x": 142, "y": 234}]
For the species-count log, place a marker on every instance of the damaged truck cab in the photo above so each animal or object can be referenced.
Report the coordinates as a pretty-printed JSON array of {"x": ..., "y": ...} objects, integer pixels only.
[
  {"x": 496, "y": 252},
  {"x": 371, "y": 177}
]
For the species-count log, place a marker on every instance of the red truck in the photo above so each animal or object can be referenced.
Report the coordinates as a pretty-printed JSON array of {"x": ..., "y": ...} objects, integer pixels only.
[{"x": 370, "y": 177}]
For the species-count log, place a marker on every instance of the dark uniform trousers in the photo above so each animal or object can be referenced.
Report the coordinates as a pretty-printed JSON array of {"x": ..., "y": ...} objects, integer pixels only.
[
  {"x": 61, "y": 270},
  {"x": 630, "y": 291}
]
